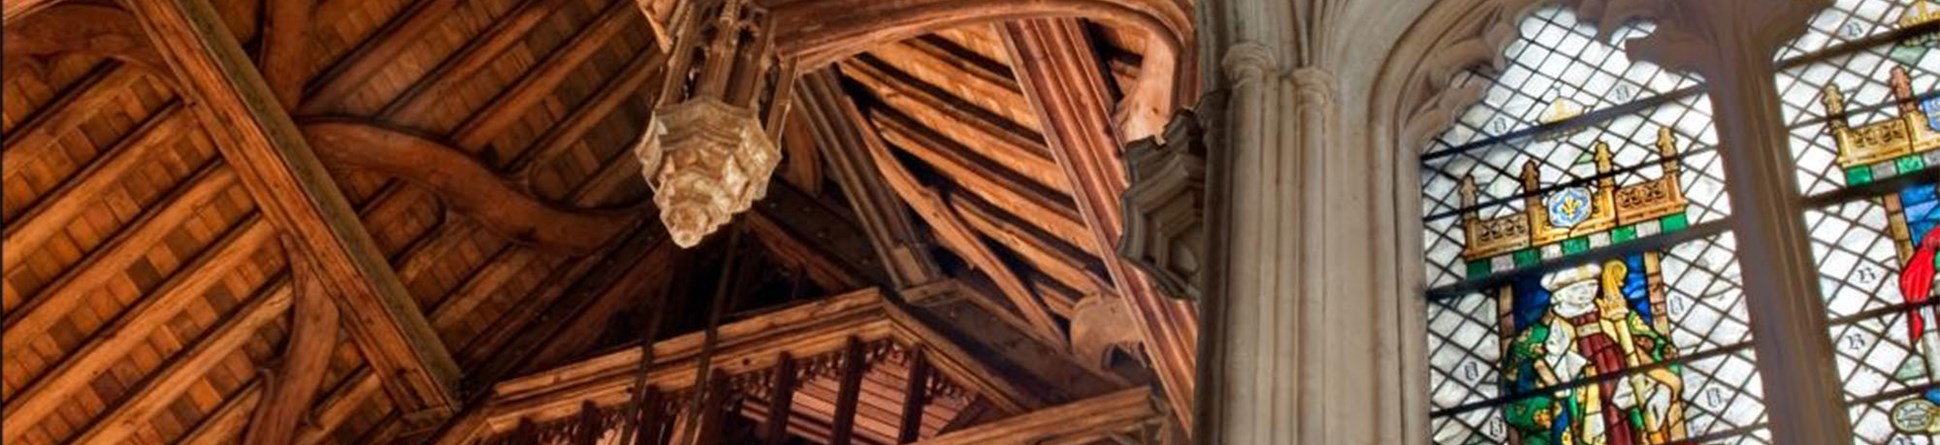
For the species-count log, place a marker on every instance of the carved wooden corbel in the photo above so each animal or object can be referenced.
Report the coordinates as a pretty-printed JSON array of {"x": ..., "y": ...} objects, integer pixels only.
[
  {"x": 1165, "y": 207},
  {"x": 1097, "y": 325}
]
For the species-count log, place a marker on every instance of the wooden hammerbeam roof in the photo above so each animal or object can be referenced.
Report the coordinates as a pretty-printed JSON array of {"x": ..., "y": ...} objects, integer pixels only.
[{"x": 454, "y": 177}]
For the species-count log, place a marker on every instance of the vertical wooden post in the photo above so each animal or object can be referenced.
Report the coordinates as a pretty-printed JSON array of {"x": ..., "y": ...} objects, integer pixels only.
[
  {"x": 915, "y": 396},
  {"x": 850, "y": 394},
  {"x": 589, "y": 429},
  {"x": 646, "y": 428},
  {"x": 781, "y": 402},
  {"x": 712, "y": 414}
]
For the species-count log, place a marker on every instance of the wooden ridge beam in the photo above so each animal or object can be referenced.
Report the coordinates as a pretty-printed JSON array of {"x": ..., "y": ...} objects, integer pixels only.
[
  {"x": 1055, "y": 61},
  {"x": 297, "y": 195},
  {"x": 45, "y": 394},
  {"x": 881, "y": 214},
  {"x": 51, "y": 214},
  {"x": 1083, "y": 421},
  {"x": 540, "y": 82},
  {"x": 188, "y": 367},
  {"x": 951, "y": 230}
]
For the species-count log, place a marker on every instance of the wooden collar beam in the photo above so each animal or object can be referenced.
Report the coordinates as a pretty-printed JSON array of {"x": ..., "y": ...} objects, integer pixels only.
[{"x": 298, "y": 196}]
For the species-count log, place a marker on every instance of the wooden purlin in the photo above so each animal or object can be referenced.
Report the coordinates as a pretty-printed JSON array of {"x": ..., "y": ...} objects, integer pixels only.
[
  {"x": 1055, "y": 61},
  {"x": 299, "y": 196}
]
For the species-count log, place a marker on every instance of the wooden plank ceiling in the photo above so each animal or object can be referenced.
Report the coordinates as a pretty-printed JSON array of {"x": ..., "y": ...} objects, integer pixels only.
[{"x": 480, "y": 149}]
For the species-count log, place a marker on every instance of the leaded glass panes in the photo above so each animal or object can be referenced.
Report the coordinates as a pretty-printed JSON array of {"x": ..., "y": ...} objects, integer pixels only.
[
  {"x": 1583, "y": 289},
  {"x": 1862, "y": 101},
  {"x": 1659, "y": 337}
]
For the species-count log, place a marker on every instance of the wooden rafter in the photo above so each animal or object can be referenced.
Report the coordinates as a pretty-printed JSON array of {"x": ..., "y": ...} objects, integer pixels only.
[
  {"x": 877, "y": 209},
  {"x": 298, "y": 196},
  {"x": 1056, "y": 63},
  {"x": 947, "y": 226},
  {"x": 306, "y": 360}
]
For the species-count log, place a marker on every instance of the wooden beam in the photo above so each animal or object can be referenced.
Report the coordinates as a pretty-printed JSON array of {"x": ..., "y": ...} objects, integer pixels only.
[
  {"x": 894, "y": 237},
  {"x": 83, "y": 29},
  {"x": 1055, "y": 61},
  {"x": 916, "y": 393},
  {"x": 571, "y": 130},
  {"x": 347, "y": 399},
  {"x": 81, "y": 102},
  {"x": 1083, "y": 421},
  {"x": 542, "y": 81},
  {"x": 855, "y": 362},
  {"x": 1054, "y": 213},
  {"x": 52, "y": 213},
  {"x": 298, "y": 196},
  {"x": 111, "y": 344},
  {"x": 187, "y": 368},
  {"x": 286, "y": 49},
  {"x": 465, "y": 185},
  {"x": 305, "y": 360},
  {"x": 112, "y": 258},
  {"x": 979, "y": 130},
  {"x": 950, "y": 229},
  {"x": 476, "y": 54},
  {"x": 377, "y": 52},
  {"x": 1062, "y": 262},
  {"x": 224, "y": 424},
  {"x": 16, "y": 9},
  {"x": 781, "y": 402},
  {"x": 803, "y": 231}
]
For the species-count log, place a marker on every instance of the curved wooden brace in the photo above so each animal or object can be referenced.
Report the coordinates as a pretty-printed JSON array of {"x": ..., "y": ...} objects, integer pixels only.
[
  {"x": 81, "y": 28},
  {"x": 469, "y": 187},
  {"x": 821, "y": 32}
]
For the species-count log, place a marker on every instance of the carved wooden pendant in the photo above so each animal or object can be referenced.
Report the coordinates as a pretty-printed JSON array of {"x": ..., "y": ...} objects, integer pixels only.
[{"x": 712, "y": 142}]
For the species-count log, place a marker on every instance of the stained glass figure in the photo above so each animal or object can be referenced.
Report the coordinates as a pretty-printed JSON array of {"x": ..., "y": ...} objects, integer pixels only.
[{"x": 1582, "y": 290}]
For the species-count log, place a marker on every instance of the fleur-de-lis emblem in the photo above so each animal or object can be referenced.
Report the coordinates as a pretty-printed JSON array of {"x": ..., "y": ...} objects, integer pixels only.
[{"x": 1568, "y": 207}]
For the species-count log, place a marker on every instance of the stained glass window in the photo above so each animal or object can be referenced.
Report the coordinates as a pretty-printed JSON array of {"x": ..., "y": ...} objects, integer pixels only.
[
  {"x": 1583, "y": 288},
  {"x": 1862, "y": 99}
]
